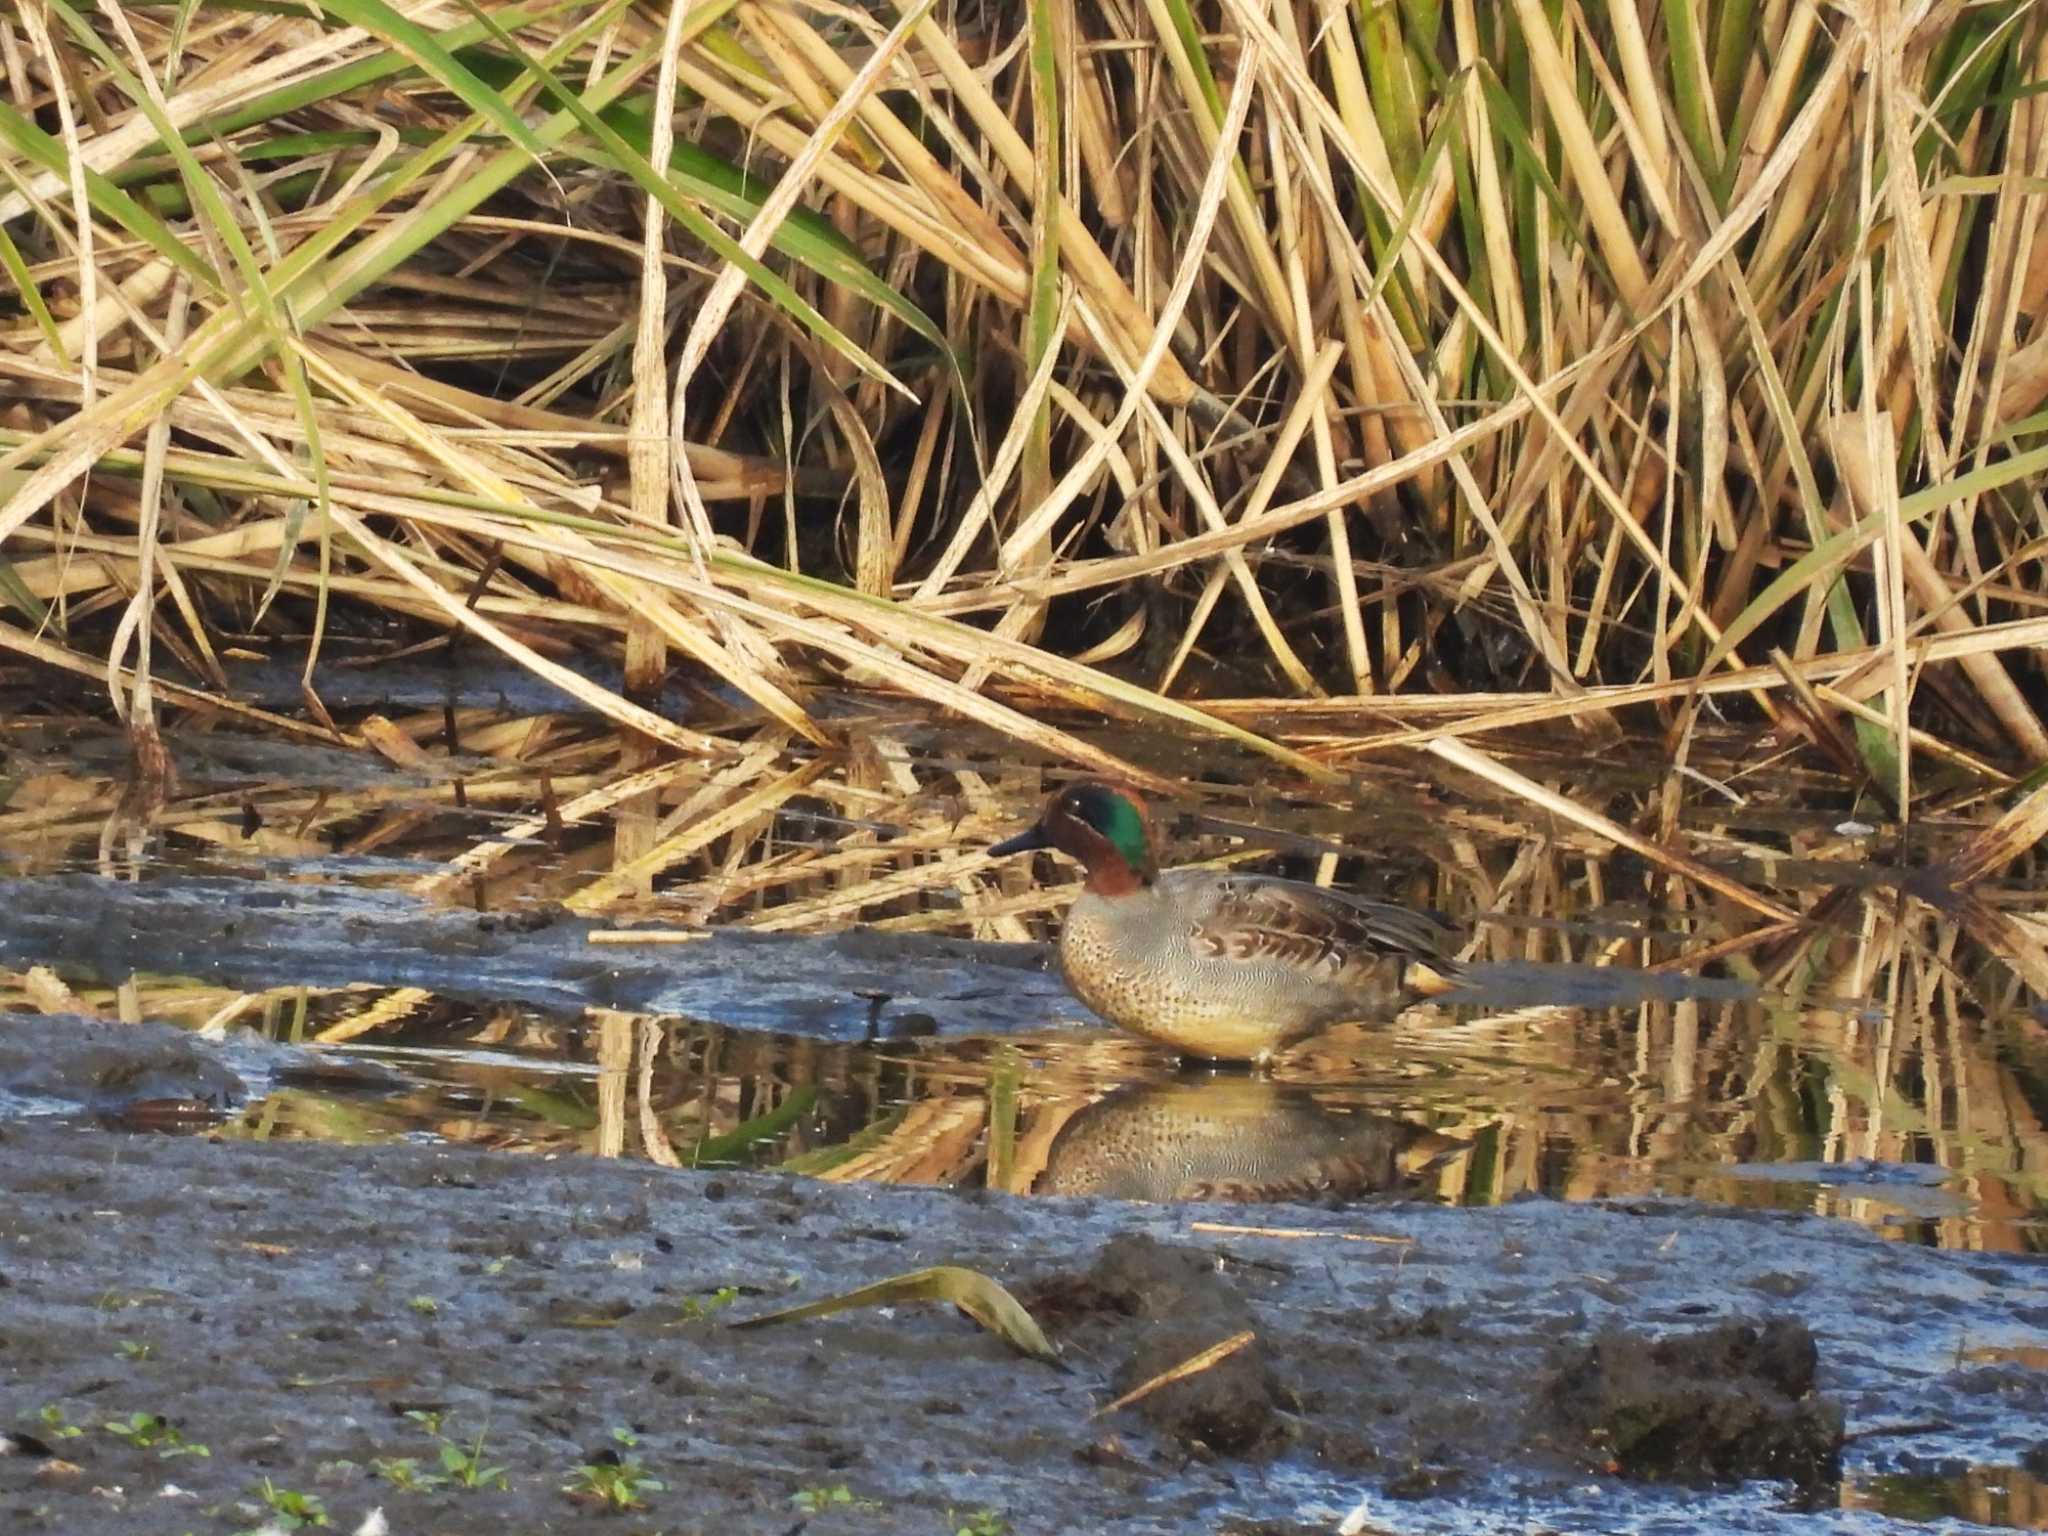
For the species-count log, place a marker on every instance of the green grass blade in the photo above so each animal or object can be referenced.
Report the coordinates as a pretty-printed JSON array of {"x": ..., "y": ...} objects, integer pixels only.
[
  {"x": 1450, "y": 125},
  {"x": 14, "y": 590},
  {"x": 1691, "y": 89},
  {"x": 1838, "y": 549},
  {"x": 1511, "y": 125},
  {"x": 803, "y": 236},
  {"x": 354, "y": 76},
  {"x": 31, "y": 297},
  {"x": 428, "y": 53},
  {"x": 617, "y": 154},
  {"x": 108, "y": 200},
  {"x": 1394, "y": 97}
]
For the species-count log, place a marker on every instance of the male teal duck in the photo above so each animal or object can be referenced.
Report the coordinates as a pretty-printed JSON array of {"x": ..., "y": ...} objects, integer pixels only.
[{"x": 1226, "y": 966}]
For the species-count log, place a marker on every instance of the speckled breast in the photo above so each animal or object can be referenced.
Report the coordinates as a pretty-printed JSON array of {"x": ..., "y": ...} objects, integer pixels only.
[{"x": 1138, "y": 970}]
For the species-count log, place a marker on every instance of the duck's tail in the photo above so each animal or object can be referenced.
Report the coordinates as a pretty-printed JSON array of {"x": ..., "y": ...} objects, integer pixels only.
[{"x": 1433, "y": 978}]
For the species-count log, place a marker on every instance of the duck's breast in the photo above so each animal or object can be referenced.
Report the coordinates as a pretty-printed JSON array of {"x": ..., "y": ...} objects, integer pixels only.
[
  {"x": 1122, "y": 955},
  {"x": 1165, "y": 962}
]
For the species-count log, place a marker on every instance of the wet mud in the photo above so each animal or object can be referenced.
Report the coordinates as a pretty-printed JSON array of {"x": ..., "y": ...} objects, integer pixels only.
[
  {"x": 64, "y": 1063},
  {"x": 331, "y": 1319},
  {"x": 851, "y": 985},
  {"x": 478, "y": 1342},
  {"x": 1736, "y": 1401},
  {"x": 252, "y": 934},
  {"x": 1151, "y": 1308},
  {"x": 157, "y": 1076}
]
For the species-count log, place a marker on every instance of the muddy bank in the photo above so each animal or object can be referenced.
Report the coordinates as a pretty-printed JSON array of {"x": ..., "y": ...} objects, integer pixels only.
[
  {"x": 154, "y": 1076},
  {"x": 316, "y": 1315},
  {"x": 254, "y": 934},
  {"x": 845, "y": 986}
]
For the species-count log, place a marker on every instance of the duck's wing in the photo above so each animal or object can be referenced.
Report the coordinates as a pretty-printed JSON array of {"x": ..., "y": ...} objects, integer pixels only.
[{"x": 1312, "y": 929}]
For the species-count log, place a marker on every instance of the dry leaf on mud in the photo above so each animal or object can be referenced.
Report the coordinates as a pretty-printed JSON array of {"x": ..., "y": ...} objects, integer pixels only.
[{"x": 972, "y": 1292}]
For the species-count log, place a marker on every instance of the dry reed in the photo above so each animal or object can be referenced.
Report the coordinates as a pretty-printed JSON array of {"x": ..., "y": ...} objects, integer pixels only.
[{"x": 1309, "y": 382}]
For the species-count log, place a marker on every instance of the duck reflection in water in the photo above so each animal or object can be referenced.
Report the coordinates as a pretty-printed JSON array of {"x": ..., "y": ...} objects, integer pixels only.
[{"x": 1231, "y": 1136}]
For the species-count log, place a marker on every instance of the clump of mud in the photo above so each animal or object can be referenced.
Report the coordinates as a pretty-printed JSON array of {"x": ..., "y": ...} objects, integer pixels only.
[
  {"x": 1721, "y": 1405},
  {"x": 1181, "y": 1306},
  {"x": 67, "y": 1062}
]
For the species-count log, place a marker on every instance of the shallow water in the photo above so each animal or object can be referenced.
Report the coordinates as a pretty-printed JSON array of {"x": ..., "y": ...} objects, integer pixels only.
[{"x": 1775, "y": 1116}]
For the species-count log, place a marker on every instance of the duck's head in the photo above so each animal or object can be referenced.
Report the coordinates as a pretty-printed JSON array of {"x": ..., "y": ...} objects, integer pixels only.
[{"x": 1103, "y": 827}]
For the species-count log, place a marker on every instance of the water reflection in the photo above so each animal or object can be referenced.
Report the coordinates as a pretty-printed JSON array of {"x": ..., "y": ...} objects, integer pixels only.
[
  {"x": 1881, "y": 1059},
  {"x": 1928, "y": 1135},
  {"x": 1217, "y": 1136},
  {"x": 2010, "y": 1497}
]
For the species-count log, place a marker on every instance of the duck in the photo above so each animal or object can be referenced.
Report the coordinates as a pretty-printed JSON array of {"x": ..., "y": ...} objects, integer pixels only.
[{"x": 1218, "y": 964}]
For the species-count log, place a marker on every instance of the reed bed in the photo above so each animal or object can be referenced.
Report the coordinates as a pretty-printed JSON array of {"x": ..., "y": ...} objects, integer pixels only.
[{"x": 1314, "y": 383}]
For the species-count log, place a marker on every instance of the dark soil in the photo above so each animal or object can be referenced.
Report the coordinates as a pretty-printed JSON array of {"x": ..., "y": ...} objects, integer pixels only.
[
  {"x": 320, "y": 1316},
  {"x": 1734, "y": 1401},
  {"x": 1185, "y": 1306}
]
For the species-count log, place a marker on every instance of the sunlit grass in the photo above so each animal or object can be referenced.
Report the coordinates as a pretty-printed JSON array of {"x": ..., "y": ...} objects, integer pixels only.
[{"x": 1314, "y": 384}]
